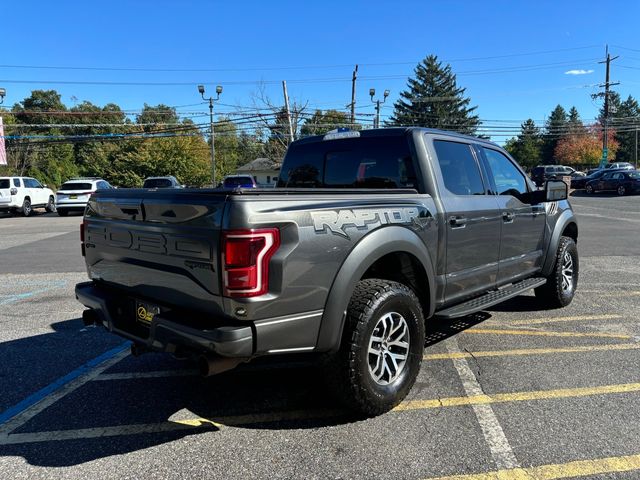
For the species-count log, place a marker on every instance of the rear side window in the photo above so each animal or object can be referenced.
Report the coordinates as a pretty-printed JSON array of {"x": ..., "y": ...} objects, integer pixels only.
[
  {"x": 75, "y": 186},
  {"x": 4, "y": 183},
  {"x": 460, "y": 170},
  {"x": 365, "y": 162}
]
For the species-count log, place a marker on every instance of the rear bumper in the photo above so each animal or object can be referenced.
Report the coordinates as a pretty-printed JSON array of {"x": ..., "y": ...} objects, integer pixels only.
[{"x": 162, "y": 334}]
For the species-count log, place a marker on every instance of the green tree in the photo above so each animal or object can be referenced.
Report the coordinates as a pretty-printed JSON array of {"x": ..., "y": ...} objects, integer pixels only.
[
  {"x": 157, "y": 117},
  {"x": 555, "y": 129},
  {"x": 433, "y": 99},
  {"x": 626, "y": 121},
  {"x": 321, "y": 122},
  {"x": 226, "y": 138},
  {"x": 527, "y": 147},
  {"x": 574, "y": 123}
]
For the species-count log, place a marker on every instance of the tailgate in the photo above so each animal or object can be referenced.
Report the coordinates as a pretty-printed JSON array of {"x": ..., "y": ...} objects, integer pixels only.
[{"x": 160, "y": 246}]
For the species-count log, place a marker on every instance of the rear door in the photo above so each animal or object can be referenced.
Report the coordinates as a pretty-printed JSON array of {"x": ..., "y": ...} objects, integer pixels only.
[
  {"x": 523, "y": 224},
  {"x": 5, "y": 191},
  {"x": 472, "y": 221}
]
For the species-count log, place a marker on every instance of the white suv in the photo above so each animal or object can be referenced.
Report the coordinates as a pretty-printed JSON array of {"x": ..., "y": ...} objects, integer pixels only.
[
  {"x": 23, "y": 194},
  {"x": 74, "y": 194}
]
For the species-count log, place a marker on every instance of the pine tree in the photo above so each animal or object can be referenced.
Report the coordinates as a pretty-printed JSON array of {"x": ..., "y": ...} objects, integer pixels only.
[
  {"x": 527, "y": 147},
  {"x": 625, "y": 121},
  {"x": 574, "y": 122},
  {"x": 434, "y": 100},
  {"x": 555, "y": 129}
]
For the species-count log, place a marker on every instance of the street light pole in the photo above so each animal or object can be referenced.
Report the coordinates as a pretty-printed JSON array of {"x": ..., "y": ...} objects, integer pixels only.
[
  {"x": 213, "y": 148},
  {"x": 372, "y": 92},
  {"x": 3, "y": 92}
]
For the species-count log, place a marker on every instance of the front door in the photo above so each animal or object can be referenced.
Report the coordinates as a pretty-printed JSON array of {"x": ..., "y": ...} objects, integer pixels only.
[{"x": 523, "y": 224}]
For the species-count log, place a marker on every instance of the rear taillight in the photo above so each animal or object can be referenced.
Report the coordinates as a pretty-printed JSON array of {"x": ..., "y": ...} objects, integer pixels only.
[
  {"x": 245, "y": 259},
  {"x": 82, "y": 226},
  {"x": 14, "y": 191}
]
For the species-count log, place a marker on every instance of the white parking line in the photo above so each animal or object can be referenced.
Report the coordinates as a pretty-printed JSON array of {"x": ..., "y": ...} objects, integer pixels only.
[
  {"x": 62, "y": 388},
  {"x": 501, "y": 451}
]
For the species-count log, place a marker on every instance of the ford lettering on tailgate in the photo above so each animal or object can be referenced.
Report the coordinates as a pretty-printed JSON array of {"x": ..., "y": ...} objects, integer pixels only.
[{"x": 149, "y": 242}]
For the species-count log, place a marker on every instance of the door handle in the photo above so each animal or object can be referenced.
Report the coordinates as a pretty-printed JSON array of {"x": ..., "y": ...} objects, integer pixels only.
[
  {"x": 457, "y": 221},
  {"x": 508, "y": 217}
]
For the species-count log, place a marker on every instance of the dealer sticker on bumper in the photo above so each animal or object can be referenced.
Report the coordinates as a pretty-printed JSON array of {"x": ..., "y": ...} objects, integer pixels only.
[{"x": 145, "y": 312}]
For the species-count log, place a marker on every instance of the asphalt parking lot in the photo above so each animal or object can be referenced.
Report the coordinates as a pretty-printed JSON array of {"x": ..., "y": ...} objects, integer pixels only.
[{"x": 515, "y": 392}]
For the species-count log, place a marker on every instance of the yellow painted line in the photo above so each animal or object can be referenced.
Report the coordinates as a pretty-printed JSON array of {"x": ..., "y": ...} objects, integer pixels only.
[
  {"x": 579, "y": 468},
  {"x": 518, "y": 396},
  {"x": 542, "y": 321},
  {"x": 500, "y": 331},
  {"x": 273, "y": 417},
  {"x": 532, "y": 351}
]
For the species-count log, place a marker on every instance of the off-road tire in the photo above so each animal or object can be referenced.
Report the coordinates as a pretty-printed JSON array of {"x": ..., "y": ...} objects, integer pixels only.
[
  {"x": 348, "y": 373},
  {"x": 553, "y": 294},
  {"x": 51, "y": 205},
  {"x": 26, "y": 207}
]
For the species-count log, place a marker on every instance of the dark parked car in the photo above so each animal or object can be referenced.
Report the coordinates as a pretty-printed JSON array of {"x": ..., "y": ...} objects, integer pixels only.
[
  {"x": 239, "y": 181},
  {"x": 162, "y": 182},
  {"x": 621, "y": 181},
  {"x": 542, "y": 173},
  {"x": 579, "y": 183}
]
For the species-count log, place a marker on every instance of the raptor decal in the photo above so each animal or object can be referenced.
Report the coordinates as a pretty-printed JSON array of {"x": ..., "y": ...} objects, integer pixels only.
[{"x": 337, "y": 222}]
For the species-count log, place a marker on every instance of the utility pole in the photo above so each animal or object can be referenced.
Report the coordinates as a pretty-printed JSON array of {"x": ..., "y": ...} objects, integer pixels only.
[
  {"x": 286, "y": 106},
  {"x": 607, "y": 84},
  {"x": 635, "y": 153},
  {"x": 353, "y": 97}
]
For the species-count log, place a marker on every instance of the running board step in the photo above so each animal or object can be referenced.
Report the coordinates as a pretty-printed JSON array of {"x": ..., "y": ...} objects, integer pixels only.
[{"x": 489, "y": 299}]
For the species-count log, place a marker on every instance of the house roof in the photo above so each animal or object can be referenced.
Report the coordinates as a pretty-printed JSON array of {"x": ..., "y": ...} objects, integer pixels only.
[{"x": 260, "y": 164}]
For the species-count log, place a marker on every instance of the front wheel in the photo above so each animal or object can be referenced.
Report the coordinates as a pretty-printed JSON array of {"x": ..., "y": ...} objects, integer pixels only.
[
  {"x": 589, "y": 189},
  {"x": 62, "y": 213},
  {"x": 562, "y": 283},
  {"x": 51, "y": 205},
  {"x": 621, "y": 190},
  {"x": 26, "y": 207},
  {"x": 381, "y": 350}
]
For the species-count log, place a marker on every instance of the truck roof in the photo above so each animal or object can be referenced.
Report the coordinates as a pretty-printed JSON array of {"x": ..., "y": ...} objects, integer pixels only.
[{"x": 398, "y": 131}]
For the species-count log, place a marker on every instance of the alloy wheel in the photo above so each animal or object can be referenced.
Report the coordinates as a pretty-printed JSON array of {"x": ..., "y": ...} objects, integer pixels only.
[{"x": 388, "y": 348}]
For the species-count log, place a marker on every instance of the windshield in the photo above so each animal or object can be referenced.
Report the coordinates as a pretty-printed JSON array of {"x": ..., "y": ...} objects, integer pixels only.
[
  {"x": 4, "y": 183},
  {"x": 238, "y": 182},
  {"x": 157, "y": 183},
  {"x": 75, "y": 186}
]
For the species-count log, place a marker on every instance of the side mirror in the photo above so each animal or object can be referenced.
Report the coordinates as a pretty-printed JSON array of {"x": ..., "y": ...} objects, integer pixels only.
[
  {"x": 555, "y": 190},
  {"x": 45, "y": 186}
]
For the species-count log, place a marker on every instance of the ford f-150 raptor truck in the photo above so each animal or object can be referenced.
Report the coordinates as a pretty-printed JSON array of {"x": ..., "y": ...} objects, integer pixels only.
[{"x": 367, "y": 236}]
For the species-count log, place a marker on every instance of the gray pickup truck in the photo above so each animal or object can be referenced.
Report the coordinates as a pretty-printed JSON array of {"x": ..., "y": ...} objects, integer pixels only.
[{"x": 367, "y": 236}]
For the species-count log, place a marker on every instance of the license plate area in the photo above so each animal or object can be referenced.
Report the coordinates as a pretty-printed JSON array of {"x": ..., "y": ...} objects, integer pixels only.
[
  {"x": 73, "y": 197},
  {"x": 145, "y": 312}
]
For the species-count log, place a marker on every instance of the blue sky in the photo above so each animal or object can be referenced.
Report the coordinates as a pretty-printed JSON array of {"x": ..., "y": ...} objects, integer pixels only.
[{"x": 314, "y": 46}]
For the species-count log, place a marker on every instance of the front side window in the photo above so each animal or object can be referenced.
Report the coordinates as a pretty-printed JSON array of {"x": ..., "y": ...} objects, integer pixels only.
[
  {"x": 506, "y": 176},
  {"x": 16, "y": 182},
  {"x": 460, "y": 171}
]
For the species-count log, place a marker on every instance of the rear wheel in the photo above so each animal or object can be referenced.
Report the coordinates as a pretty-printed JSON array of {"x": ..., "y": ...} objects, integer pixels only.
[
  {"x": 381, "y": 350},
  {"x": 62, "y": 212},
  {"x": 562, "y": 283},
  {"x": 589, "y": 189},
  {"x": 51, "y": 205},
  {"x": 621, "y": 190},
  {"x": 26, "y": 207}
]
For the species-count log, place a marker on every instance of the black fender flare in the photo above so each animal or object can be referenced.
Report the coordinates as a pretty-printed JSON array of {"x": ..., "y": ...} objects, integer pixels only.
[
  {"x": 367, "y": 251},
  {"x": 566, "y": 217}
]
